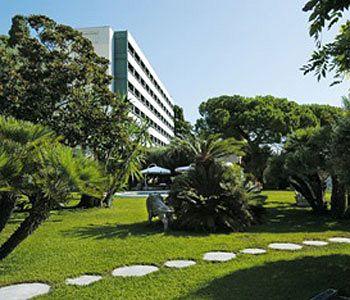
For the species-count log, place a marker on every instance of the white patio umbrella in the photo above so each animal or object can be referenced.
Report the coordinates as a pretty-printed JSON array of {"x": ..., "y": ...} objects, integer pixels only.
[
  {"x": 183, "y": 169},
  {"x": 156, "y": 171}
]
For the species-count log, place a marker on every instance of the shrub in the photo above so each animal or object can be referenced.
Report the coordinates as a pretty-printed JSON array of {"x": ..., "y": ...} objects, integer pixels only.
[
  {"x": 212, "y": 196},
  {"x": 33, "y": 163},
  {"x": 172, "y": 156}
]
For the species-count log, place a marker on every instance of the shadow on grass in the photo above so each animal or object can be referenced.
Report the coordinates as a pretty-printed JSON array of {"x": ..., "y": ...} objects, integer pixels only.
[
  {"x": 277, "y": 220},
  {"x": 292, "y": 219},
  {"x": 125, "y": 230},
  {"x": 295, "y": 279}
]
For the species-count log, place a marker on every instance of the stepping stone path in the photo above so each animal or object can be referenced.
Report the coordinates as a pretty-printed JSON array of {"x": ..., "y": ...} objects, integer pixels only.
[
  {"x": 253, "y": 251},
  {"x": 179, "y": 263},
  {"x": 137, "y": 271},
  {"x": 83, "y": 280},
  {"x": 219, "y": 256},
  {"x": 340, "y": 240},
  {"x": 315, "y": 243},
  {"x": 23, "y": 291},
  {"x": 285, "y": 246}
]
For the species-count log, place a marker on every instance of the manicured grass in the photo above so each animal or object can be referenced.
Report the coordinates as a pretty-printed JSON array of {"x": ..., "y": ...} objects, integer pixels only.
[{"x": 96, "y": 241}]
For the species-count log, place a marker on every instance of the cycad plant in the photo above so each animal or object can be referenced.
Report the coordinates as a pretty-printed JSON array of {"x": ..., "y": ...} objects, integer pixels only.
[
  {"x": 9, "y": 171},
  {"x": 213, "y": 196},
  {"x": 18, "y": 140},
  {"x": 211, "y": 148},
  {"x": 44, "y": 170}
]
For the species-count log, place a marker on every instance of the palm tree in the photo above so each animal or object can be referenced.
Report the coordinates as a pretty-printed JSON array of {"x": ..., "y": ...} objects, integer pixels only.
[
  {"x": 17, "y": 142},
  {"x": 47, "y": 173},
  {"x": 9, "y": 171},
  {"x": 212, "y": 195},
  {"x": 213, "y": 147},
  {"x": 125, "y": 162}
]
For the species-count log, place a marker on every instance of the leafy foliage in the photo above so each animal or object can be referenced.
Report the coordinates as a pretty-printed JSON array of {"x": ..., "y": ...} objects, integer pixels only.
[
  {"x": 275, "y": 175},
  {"x": 310, "y": 158},
  {"x": 182, "y": 128},
  {"x": 323, "y": 12},
  {"x": 51, "y": 75},
  {"x": 172, "y": 156},
  {"x": 260, "y": 121},
  {"x": 341, "y": 144},
  {"x": 212, "y": 196},
  {"x": 332, "y": 56},
  {"x": 326, "y": 115},
  {"x": 305, "y": 163},
  {"x": 125, "y": 162},
  {"x": 181, "y": 152},
  {"x": 213, "y": 147},
  {"x": 35, "y": 164}
]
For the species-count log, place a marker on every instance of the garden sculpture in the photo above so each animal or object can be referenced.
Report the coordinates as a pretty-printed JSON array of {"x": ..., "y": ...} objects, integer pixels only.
[
  {"x": 300, "y": 200},
  {"x": 157, "y": 208}
]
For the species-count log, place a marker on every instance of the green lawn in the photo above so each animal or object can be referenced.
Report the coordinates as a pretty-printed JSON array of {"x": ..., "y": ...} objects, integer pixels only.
[{"x": 96, "y": 241}]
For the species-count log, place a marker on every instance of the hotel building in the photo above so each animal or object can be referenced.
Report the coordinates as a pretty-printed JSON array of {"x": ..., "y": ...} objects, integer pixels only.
[{"x": 134, "y": 77}]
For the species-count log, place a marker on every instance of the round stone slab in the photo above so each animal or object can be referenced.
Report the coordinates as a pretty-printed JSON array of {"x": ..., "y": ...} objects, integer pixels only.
[
  {"x": 137, "y": 270},
  {"x": 219, "y": 256},
  {"x": 340, "y": 240},
  {"x": 254, "y": 251},
  {"x": 315, "y": 243},
  {"x": 285, "y": 246},
  {"x": 179, "y": 263},
  {"x": 83, "y": 280},
  {"x": 23, "y": 291}
]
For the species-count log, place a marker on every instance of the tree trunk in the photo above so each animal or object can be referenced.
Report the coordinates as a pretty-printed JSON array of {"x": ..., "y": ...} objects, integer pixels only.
[
  {"x": 339, "y": 199},
  {"x": 108, "y": 199},
  {"x": 313, "y": 193},
  {"x": 318, "y": 188},
  {"x": 7, "y": 205},
  {"x": 87, "y": 201},
  {"x": 39, "y": 213},
  {"x": 255, "y": 161}
]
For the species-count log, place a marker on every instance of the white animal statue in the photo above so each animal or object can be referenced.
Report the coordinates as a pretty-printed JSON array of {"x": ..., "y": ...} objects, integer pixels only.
[
  {"x": 157, "y": 208},
  {"x": 300, "y": 200}
]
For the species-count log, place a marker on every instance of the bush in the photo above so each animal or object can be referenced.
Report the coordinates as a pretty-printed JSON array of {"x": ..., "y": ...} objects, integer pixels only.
[
  {"x": 212, "y": 196},
  {"x": 275, "y": 176},
  {"x": 174, "y": 155},
  {"x": 34, "y": 165}
]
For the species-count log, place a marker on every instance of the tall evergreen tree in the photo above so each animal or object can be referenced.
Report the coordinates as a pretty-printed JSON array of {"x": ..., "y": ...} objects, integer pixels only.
[
  {"x": 182, "y": 128},
  {"x": 262, "y": 121},
  {"x": 51, "y": 75}
]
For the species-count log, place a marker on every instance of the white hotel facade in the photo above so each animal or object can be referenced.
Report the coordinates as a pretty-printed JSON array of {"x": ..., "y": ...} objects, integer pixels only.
[{"x": 134, "y": 77}]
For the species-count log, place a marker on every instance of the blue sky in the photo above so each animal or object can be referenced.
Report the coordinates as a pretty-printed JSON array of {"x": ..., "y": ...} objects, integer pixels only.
[{"x": 205, "y": 48}]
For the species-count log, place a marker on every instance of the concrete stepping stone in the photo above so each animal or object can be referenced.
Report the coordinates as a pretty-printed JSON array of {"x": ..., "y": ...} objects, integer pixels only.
[
  {"x": 179, "y": 263},
  {"x": 280, "y": 216},
  {"x": 83, "y": 280},
  {"x": 315, "y": 243},
  {"x": 285, "y": 246},
  {"x": 219, "y": 256},
  {"x": 136, "y": 270},
  {"x": 253, "y": 251},
  {"x": 23, "y": 291},
  {"x": 340, "y": 240}
]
